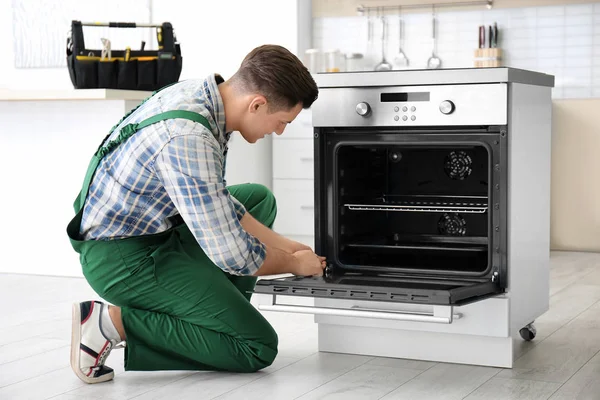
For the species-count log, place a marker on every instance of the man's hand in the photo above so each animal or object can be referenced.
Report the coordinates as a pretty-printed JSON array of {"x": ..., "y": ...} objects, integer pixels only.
[
  {"x": 300, "y": 263},
  {"x": 309, "y": 264}
]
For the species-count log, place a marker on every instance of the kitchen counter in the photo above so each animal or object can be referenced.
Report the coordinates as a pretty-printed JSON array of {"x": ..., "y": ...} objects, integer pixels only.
[
  {"x": 72, "y": 94},
  {"x": 433, "y": 77}
]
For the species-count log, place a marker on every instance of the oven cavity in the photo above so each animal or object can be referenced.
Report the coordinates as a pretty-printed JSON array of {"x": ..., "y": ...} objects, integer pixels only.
[{"x": 413, "y": 208}]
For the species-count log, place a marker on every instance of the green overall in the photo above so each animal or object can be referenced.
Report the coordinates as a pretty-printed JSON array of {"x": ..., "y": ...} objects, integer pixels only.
[{"x": 179, "y": 310}]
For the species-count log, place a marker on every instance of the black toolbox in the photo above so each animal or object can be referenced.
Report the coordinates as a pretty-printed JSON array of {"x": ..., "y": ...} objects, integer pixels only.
[{"x": 124, "y": 69}]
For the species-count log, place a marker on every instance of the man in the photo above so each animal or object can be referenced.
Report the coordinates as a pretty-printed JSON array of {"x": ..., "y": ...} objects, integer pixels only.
[{"x": 162, "y": 238}]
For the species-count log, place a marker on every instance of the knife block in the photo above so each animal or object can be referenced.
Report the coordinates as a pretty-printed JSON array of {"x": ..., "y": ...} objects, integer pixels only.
[{"x": 487, "y": 58}]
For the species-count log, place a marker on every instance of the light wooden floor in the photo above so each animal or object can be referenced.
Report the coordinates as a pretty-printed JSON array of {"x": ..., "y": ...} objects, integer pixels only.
[{"x": 563, "y": 362}]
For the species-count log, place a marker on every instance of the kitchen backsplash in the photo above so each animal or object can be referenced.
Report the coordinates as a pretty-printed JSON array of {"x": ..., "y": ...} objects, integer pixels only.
[{"x": 560, "y": 40}]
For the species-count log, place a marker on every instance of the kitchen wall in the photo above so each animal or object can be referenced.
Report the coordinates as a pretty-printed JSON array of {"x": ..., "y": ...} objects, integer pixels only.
[
  {"x": 32, "y": 78},
  {"x": 560, "y": 40},
  {"x": 213, "y": 39}
]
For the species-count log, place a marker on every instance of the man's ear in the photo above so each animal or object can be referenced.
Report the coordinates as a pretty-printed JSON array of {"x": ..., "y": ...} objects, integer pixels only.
[{"x": 257, "y": 102}]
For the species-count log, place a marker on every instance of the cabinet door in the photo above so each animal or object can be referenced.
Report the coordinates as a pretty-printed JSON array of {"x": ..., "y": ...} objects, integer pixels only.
[
  {"x": 293, "y": 159},
  {"x": 300, "y": 128}
]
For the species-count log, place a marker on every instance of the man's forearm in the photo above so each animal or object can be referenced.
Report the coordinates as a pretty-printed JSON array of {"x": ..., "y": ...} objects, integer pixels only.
[
  {"x": 264, "y": 234},
  {"x": 276, "y": 262}
]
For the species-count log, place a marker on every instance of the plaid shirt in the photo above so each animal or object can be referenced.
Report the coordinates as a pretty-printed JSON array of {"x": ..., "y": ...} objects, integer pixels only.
[{"x": 174, "y": 167}]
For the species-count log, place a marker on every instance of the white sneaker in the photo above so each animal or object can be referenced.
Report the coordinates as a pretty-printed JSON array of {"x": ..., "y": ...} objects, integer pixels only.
[{"x": 89, "y": 345}]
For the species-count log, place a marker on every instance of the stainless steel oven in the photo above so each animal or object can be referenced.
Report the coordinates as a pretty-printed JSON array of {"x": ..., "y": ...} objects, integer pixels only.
[{"x": 412, "y": 182}]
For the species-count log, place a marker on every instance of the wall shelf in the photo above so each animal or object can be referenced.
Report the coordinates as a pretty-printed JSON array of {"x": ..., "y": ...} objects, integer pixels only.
[{"x": 361, "y": 9}]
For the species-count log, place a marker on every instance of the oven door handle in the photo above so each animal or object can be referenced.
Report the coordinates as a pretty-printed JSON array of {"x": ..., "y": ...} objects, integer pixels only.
[{"x": 440, "y": 315}]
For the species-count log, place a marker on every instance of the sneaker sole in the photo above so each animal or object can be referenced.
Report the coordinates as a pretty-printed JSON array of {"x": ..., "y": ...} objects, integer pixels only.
[{"x": 75, "y": 343}]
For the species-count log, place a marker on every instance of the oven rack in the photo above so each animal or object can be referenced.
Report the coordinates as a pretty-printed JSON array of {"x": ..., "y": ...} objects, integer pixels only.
[
  {"x": 477, "y": 208},
  {"x": 423, "y": 203}
]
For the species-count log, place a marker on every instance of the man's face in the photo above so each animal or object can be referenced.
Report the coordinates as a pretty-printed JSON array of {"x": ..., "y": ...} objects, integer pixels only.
[{"x": 259, "y": 122}]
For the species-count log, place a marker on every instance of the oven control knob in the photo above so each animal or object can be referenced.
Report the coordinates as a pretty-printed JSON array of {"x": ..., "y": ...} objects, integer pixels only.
[
  {"x": 447, "y": 107},
  {"x": 363, "y": 109}
]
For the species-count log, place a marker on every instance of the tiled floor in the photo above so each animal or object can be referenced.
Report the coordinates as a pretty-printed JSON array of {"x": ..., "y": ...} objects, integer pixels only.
[{"x": 563, "y": 362}]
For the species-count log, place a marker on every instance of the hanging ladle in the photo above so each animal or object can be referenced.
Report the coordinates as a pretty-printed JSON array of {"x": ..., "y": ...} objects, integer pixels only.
[
  {"x": 400, "y": 60},
  {"x": 434, "y": 61},
  {"x": 383, "y": 65}
]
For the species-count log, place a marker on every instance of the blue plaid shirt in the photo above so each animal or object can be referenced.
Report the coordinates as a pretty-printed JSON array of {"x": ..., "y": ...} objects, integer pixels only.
[{"x": 174, "y": 167}]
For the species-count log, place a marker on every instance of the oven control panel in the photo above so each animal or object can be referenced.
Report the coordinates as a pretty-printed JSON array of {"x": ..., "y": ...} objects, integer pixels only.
[
  {"x": 406, "y": 112},
  {"x": 475, "y": 104}
]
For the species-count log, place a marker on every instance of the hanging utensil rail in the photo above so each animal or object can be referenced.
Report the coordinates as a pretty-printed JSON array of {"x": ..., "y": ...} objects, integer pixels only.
[{"x": 488, "y": 3}]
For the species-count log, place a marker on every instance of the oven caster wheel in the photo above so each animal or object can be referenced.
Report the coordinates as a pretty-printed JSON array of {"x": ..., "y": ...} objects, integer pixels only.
[{"x": 528, "y": 333}]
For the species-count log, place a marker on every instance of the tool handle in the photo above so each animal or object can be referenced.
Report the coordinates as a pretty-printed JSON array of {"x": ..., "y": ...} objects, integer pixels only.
[{"x": 121, "y": 24}]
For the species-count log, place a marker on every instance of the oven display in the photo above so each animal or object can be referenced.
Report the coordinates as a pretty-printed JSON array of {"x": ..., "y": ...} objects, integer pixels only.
[{"x": 404, "y": 97}]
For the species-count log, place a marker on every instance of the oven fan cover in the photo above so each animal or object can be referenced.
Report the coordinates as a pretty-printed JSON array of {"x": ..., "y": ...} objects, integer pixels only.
[
  {"x": 452, "y": 224},
  {"x": 458, "y": 165}
]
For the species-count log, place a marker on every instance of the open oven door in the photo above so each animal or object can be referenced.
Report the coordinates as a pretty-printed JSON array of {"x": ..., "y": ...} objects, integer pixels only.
[{"x": 378, "y": 288}]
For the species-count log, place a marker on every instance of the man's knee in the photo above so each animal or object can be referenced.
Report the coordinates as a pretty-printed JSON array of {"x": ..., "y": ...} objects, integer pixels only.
[
  {"x": 264, "y": 193},
  {"x": 260, "y": 352},
  {"x": 265, "y": 209}
]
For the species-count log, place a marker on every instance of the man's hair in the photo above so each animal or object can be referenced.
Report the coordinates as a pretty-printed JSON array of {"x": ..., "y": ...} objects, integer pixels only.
[{"x": 276, "y": 73}]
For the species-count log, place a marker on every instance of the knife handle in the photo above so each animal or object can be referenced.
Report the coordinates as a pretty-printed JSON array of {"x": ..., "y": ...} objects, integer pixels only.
[
  {"x": 481, "y": 36},
  {"x": 495, "y": 35}
]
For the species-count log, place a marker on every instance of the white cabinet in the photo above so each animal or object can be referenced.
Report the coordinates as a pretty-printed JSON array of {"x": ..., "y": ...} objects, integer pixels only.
[
  {"x": 300, "y": 128},
  {"x": 482, "y": 318},
  {"x": 295, "y": 206},
  {"x": 293, "y": 180}
]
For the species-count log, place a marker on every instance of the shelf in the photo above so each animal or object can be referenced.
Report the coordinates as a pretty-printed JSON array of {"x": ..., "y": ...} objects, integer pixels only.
[{"x": 421, "y": 203}]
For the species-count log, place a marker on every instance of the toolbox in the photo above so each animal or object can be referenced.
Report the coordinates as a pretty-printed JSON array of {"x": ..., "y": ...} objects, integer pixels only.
[{"x": 129, "y": 69}]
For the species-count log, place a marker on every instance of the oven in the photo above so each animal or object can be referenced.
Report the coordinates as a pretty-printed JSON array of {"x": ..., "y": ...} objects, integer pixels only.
[{"x": 411, "y": 196}]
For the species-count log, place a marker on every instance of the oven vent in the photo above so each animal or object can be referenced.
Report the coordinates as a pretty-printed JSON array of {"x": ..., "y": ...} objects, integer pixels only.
[
  {"x": 458, "y": 165},
  {"x": 338, "y": 293},
  {"x": 452, "y": 224}
]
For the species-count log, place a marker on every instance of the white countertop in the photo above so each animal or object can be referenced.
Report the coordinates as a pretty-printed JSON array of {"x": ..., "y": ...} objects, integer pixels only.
[{"x": 72, "y": 94}]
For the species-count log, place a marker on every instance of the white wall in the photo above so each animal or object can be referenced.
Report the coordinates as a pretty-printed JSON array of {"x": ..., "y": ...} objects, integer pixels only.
[
  {"x": 13, "y": 78},
  {"x": 53, "y": 28},
  {"x": 215, "y": 36},
  {"x": 43, "y": 161},
  {"x": 560, "y": 40}
]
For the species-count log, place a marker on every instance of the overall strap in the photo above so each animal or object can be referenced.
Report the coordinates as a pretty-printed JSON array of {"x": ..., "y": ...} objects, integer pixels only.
[
  {"x": 132, "y": 111},
  {"x": 126, "y": 132}
]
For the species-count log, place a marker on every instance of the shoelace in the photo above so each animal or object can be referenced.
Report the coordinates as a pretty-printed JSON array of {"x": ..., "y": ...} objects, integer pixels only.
[
  {"x": 120, "y": 345},
  {"x": 105, "y": 353}
]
